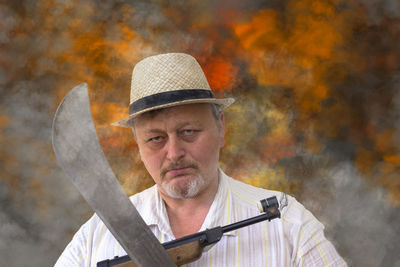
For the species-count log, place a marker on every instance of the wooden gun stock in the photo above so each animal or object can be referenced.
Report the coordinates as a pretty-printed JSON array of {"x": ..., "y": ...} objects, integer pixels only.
[
  {"x": 186, "y": 253},
  {"x": 189, "y": 248},
  {"x": 180, "y": 255}
]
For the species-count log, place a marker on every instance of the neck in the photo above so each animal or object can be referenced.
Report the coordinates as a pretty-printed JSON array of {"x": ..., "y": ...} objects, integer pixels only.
[{"x": 186, "y": 216}]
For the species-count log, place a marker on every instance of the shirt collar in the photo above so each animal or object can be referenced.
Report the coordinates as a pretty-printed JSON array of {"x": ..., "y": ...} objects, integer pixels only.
[{"x": 154, "y": 212}]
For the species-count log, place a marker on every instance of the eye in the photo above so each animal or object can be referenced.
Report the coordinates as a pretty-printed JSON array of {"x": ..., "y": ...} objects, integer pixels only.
[
  {"x": 189, "y": 135},
  {"x": 188, "y": 132},
  {"x": 156, "y": 139}
]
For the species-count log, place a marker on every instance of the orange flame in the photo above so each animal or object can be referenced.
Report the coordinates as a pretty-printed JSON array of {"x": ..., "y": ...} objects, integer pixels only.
[
  {"x": 303, "y": 50},
  {"x": 221, "y": 73},
  {"x": 299, "y": 51}
]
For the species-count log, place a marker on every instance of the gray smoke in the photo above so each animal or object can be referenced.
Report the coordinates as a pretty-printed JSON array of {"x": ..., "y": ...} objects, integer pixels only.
[
  {"x": 381, "y": 10},
  {"x": 358, "y": 217},
  {"x": 39, "y": 208}
]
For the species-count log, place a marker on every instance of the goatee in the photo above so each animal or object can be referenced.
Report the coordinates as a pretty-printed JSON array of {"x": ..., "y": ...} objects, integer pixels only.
[{"x": 189, "y": 190}]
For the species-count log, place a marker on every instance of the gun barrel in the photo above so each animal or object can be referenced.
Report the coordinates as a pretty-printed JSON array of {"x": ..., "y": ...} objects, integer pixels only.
[{"x": 244, "y": 223}]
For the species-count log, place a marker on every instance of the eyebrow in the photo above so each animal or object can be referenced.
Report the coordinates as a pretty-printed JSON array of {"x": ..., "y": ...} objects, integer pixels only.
[
  {"x": 178, "y": 126},
  {"x": 153, "y": 131},
  {"x": 183, "y": 124}
]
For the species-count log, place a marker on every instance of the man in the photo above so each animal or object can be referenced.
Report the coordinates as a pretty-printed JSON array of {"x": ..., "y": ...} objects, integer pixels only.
[{"x": 179, "y": 128}]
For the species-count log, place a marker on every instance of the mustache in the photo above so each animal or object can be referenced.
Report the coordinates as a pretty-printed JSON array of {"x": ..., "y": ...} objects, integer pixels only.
[{"x": 177, "y": 165}]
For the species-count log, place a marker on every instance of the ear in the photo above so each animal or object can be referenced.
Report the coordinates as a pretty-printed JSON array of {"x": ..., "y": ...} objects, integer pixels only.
[
  {"x": 134, "y": 134},
  {"x": 222, "y": 129},
  {"x": 137, "y": 143}
]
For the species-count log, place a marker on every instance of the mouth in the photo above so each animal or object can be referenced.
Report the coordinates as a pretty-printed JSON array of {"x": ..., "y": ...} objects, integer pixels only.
[{"x": 178, "y": 171}]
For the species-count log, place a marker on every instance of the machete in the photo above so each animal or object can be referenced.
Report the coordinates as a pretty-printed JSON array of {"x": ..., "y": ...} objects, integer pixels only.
[{"x": 79, "y": 154}]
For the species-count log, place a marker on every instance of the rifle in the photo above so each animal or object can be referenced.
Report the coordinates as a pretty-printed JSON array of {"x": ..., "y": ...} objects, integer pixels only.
[{"x": 189, "y": 248}]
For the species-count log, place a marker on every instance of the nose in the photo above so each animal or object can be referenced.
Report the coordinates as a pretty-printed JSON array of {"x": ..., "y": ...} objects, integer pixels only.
[{"x": 175, "y": 149}]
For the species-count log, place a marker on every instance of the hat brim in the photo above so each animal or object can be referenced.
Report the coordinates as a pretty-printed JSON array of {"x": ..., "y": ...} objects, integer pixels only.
[{"x": 224, "y": 103}]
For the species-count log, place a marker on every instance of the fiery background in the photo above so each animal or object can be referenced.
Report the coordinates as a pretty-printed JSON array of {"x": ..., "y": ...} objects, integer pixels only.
[{"x": 317, "y": 85}]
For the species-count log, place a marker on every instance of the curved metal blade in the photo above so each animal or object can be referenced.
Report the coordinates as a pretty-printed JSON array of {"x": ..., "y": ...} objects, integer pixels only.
[{"x": 80, "y": 155}]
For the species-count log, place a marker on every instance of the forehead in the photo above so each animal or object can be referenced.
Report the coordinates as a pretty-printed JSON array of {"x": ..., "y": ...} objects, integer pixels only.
[{"x": 189, "y": 113}]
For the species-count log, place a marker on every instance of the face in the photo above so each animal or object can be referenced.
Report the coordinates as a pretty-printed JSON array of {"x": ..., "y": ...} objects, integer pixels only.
[{"x": 180, "y": 148}]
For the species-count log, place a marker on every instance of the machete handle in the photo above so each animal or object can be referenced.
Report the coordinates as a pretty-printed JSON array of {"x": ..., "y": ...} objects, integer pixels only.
[{"x": 183, "y": 254}]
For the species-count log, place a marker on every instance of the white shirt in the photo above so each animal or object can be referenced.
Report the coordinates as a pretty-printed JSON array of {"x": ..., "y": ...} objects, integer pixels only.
[{"x": 297, "y": 239}]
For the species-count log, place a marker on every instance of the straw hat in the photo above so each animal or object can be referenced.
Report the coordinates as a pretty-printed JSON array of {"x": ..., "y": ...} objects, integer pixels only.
[{"x": 168, "y": 80}]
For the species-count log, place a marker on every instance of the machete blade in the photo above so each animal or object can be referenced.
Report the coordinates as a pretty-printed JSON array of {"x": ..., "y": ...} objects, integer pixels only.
[{"x": 80, "y": 155}]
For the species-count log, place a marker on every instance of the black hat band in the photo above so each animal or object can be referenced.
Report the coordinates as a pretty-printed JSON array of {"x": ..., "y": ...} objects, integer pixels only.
[{"x": 168, "y": 97}]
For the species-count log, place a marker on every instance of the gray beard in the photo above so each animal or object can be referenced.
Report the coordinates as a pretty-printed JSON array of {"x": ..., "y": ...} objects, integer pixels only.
[{"x": 192, "y": 189}]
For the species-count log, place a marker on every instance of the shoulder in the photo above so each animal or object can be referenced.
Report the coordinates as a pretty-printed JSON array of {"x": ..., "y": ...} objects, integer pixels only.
[
  {"x": 79, "y": 247},
  {"x": 247, "y": 196},
  {"x": 140, "y": 201},
  {"x": 295, "y": 213},
  {"x": 90, "y": 226},
  {"x": 249, "y": 192}
]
